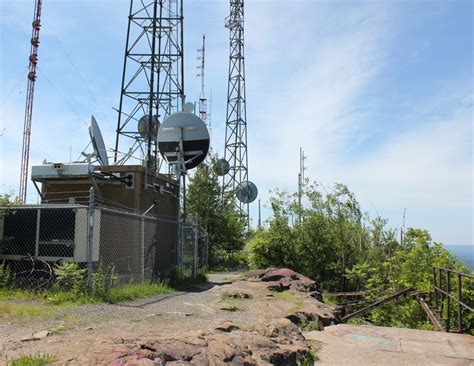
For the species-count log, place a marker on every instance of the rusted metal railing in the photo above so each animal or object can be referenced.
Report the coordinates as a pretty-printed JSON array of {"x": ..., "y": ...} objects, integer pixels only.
[{"x": 442, "y": 295}]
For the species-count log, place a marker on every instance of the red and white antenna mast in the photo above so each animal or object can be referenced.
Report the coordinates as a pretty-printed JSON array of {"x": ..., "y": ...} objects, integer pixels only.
[
  {"x": 202, "y": 96},
  {"x": 25, "y": 155}
]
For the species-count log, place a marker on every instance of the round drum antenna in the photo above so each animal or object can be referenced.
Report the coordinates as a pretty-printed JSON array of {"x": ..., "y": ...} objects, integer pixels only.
[
  {"x": 183, "y": 134},
  {"x": 221, "y": 167},
  {"x": 188, "y": 107},
  {"x": 143, "y": 127},
  {"x": 246, "y": 192}
]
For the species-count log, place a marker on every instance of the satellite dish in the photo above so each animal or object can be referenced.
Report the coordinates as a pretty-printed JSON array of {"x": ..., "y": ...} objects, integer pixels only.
[
  {"x": 188, "y": 107},
  {"x": 221, "y": 167},
  {"x": 98, "y": 142},
  {"x": 143, "y": 127},
  {"x": 191, "y": 130},
  {"x": 246, "y": 192}
]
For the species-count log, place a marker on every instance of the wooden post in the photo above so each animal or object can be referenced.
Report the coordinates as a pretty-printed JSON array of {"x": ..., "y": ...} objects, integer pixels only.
[{"x": 448, "y": 301}]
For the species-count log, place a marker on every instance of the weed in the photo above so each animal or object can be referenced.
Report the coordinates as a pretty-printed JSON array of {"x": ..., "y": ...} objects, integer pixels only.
[
  {"x": 5, "y": 275},
  {"x": 22, "y": 310},
  {"x": 136, "y": 291},
  {"x": 103, "y": 280},
  {"x": 70, "y": 277},
  {"x": 36, "y": 360}
]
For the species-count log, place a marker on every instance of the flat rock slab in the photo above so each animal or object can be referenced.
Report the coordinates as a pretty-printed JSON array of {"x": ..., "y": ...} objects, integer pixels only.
[{"x": 345, "y": 344}]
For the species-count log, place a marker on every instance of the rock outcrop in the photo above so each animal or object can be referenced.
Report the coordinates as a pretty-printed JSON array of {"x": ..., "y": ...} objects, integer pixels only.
[{"x": 288, "y": 303}]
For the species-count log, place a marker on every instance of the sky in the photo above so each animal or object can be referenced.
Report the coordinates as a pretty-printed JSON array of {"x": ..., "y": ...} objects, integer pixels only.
[{"x": 379, "y": 94}]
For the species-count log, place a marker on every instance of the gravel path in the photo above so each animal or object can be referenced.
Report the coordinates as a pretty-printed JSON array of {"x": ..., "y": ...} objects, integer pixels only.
[{"x": 84, "y": 335}]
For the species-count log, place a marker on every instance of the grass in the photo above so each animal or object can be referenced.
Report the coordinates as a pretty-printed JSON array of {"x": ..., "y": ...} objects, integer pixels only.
[
  {"x": 137, "y": 291},
  {"x": 21, "y": 304},
  {"x": 290, "y": 296},
  {"x": 15, "y": 310},
  {"x": 33, "y": 360},
  {"x": 65, "y": 298}
]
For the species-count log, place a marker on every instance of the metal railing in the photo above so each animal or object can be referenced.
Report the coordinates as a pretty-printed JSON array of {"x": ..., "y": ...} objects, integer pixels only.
[{"x": 443, "y": 296}]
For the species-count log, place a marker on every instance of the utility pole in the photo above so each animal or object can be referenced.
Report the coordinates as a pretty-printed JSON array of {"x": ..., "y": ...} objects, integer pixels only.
[
  {"x": 301, "y": 181},
  {"x": 33, "y": 61},
  {"x": 235, "y": 152}
]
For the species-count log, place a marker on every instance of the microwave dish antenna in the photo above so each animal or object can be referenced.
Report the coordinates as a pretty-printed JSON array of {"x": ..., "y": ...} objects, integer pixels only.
[
  {"x": 221, "y": 167},
  {"x": 143, "y": 127},
  {"x": 188, "y": 107},
  {"x": 98, "y": 142},
  {"x": 247, "y": 192},
  {"x": 183, "y": 136}
]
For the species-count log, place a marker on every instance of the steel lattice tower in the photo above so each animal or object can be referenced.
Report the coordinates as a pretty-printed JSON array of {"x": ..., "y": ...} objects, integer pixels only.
[
  {"x": 153, "y": 75},
  {"x": 236, "y": 119},
  {"x": 33, "y": 61}
]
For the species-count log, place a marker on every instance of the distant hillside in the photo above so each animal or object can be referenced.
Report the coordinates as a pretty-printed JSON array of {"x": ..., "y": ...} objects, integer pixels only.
[{"x": 465, "y": 253}]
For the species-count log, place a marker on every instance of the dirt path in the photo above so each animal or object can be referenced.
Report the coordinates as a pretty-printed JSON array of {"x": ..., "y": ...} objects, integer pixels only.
[{"x": 86, "y": 335}]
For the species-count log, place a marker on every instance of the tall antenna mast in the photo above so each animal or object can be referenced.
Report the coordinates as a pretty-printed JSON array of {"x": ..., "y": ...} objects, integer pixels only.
[
  {"x": 25, "y": 154},
  {"x": 202, "y": 96},
  {"x": 301, "y": 180},
  {"x": 153, "y": 76},
  {"x": 236, "y": 118}
]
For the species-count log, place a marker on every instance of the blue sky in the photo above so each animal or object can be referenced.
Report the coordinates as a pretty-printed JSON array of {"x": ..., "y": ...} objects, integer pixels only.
[{"x": 379, "y": 94}]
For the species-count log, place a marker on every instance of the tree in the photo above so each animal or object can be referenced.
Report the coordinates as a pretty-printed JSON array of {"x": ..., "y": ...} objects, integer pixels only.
[{"x": 216, "y": 215}]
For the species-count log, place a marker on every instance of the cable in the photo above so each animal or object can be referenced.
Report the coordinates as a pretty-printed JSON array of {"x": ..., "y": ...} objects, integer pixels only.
[
  {"x": 14, "y": 86},
  {"x": 62, "y": 95},
  {"x": 75, "y": 68}
]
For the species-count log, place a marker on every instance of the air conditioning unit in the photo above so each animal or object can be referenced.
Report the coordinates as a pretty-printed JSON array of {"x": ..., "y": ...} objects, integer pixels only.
[{"x": 48, "y": 232}]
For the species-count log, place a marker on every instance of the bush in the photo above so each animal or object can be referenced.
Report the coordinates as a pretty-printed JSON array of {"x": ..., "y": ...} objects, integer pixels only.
[
  {"x": 5, "y": 275},
  {"x": 103, "y": 279},
  {"x": 70, "y": 277}
]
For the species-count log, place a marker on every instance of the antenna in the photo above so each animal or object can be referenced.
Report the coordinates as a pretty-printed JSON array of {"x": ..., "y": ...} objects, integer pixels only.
[
  {"x": 152, "y": 78},
  {"x": 301, "y": 180},
  {"x": 202, "y": 97},
  {"x": 183, "y": 141},
  {"x": 183, "y": 135},
  {"x": 98, "y": 142},
  {"x": 247, "y": 192},
  {"x": 25, "y": 154},
  {"x": 236, "y": 117}
]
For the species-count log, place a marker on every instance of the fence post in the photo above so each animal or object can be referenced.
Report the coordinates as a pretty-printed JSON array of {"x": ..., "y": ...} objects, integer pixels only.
[
  {"x": 90, "y": 236},
  {"x": 142, "y": 249},
  {"x": 434, "y": 287},
  {"x": 459, "y": 303},
  {"x": 448, "y": 301},
  {"x": 195, "y": 250}
]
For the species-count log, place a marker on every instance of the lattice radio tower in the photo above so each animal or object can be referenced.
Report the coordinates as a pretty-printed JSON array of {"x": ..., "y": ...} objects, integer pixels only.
[
  {"x": 152, "y": 79},
  {"x": 236, "y": 118},
  {"x": 33, "y": 60}
]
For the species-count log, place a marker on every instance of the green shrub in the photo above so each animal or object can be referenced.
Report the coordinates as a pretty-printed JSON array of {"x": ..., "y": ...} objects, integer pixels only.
[
  {"x": 104, "y": 279},
  {"x": 36, "y": 360},
  {"x": 5, "y": 275},
  {"x": 70, "y": 277}
]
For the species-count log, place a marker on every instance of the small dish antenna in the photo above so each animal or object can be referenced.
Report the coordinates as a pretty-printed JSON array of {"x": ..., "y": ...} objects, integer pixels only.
[
  {"x": 221, "y": 167},
  {"x": 188, "y": 107},
  {"x": 98, "y": 142},
  {"x": 143, "y": 127},
  {"x": 247, "y": 192},
  {"x": 183, "y": 136}
]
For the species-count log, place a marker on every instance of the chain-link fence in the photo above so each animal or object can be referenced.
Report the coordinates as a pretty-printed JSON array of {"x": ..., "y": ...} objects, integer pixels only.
[{"x": 137, "y": 247}]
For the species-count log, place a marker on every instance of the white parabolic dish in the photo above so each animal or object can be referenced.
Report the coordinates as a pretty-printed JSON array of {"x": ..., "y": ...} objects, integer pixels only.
[
  {"x": 98, "y": 142},
  {"x": 194, "y": 134}
]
